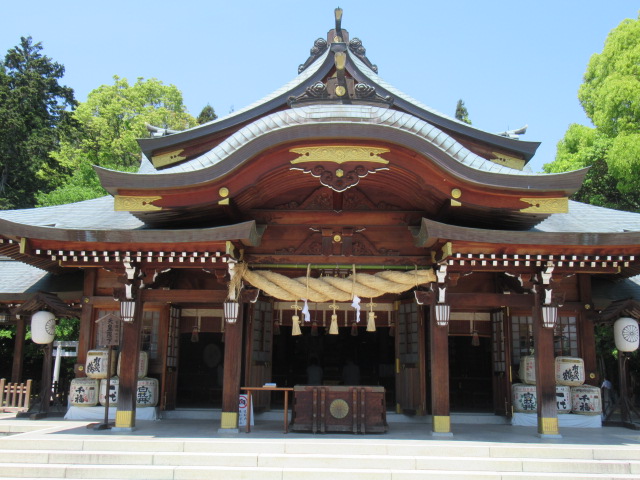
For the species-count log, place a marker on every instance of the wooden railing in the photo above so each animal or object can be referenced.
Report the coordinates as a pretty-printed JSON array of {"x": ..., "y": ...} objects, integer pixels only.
[{"x": 14, "y": 397}]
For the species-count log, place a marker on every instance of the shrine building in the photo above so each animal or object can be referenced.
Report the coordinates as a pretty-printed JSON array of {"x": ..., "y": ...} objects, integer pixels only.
[{"x": 337, "y": 221}]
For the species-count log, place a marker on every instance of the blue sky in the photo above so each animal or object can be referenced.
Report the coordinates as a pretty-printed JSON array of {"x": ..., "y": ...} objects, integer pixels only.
[{"x": 513, "y": 63}]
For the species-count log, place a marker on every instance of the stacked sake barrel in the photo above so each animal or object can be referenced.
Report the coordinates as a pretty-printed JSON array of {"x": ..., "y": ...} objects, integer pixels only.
[
  {"x": 572, "y": 396},
  {"x": 84, "y": 392},
  {"x": 88, "y": 392}
]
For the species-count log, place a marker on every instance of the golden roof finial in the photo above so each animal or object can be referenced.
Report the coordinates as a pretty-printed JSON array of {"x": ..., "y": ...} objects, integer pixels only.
[{"x": 338, "y": 14}]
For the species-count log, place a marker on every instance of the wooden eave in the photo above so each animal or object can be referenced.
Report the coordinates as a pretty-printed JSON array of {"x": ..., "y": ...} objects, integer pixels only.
[
  {"x": 240, "y": 171},
  {"x": 118, "y": 182},
  {"x": 52, "y": 249},
  {"x": 473, "y": 248}
]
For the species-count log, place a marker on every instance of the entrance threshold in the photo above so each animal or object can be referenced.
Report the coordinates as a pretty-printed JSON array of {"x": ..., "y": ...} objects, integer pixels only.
[{"x": 392, "y": 417}]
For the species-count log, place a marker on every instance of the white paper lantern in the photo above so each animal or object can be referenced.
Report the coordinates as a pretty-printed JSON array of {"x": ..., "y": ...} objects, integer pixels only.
[
  {"x": 626, "y": 334},
  {"x": 43, "y": 327}
]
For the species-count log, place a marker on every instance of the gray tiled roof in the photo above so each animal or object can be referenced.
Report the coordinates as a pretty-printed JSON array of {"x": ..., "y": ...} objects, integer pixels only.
[
  {"x": 96, "y": 214},
  {"x": 342, "y": 114},
  {"x": 18, "y": 277},
  {"x": 589, "y": 218}
]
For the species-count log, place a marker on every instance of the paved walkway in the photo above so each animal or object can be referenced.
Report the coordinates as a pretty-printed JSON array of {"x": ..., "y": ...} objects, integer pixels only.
[{"x": 270, "y": 429}]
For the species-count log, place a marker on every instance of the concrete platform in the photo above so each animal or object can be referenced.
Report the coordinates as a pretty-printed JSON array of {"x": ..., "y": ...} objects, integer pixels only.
[{"x": 192, "y": 448}]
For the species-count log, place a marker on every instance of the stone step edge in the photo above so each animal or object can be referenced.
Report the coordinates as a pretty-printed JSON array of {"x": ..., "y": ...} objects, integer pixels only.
[{"x": 301, "y": 471}]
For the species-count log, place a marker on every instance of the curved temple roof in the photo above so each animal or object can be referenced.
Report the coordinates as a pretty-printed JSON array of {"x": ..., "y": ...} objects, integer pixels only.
[
  {"x": 344, "y": 121},
  {"x": 320, "y": 68}
]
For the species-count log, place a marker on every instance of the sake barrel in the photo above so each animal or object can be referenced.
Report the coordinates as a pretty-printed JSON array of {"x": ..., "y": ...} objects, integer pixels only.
[
  {"x": 84, "y": 392},
  {"x": 114, "y": 387},
  {"x": 569, "y": 371},
  {"x": 527, "y": 370},
  {"x": 626, "y": 334},
  {"x": 563, "y": 398},
  {"x": 96, "y": 366},
  {"x": 524, "y": 398},
  {"x": 586, "y": 400},
  {"x": 43, "y": 327},
  {"x": 147, "y": 394},
  {"x": 143, "y": 364}
]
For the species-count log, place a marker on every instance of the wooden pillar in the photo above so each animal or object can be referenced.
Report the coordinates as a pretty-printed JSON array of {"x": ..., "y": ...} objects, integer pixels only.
[
  {"x": 18, "y": 350},
  {"x": 545, "y": 374},
  {"x": 130, "y": 357},
  {"x": 232, "y": 373},
  {"x": 87, "y": 324},
  {"x": 586, "y": 330},
  {"x": 439, "y": 343}
]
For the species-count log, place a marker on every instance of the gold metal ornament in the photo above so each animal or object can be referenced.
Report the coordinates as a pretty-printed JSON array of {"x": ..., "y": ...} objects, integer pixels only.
[
  {"x": 340, "y": 154},
  {"x": 339, "y": 408}
]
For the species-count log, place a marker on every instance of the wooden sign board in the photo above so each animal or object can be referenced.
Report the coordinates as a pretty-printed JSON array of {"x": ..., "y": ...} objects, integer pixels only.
[{"x": 109, "y": 330}]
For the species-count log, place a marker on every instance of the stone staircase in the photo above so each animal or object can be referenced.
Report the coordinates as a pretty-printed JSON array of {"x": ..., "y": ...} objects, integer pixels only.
[{"x": 117, "y": 456}]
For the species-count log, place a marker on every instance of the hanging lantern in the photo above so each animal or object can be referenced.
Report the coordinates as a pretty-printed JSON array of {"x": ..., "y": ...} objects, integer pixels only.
[
  {"x": 475, "y": 339},
  {"x": 231, "y": 311},
  {"x": 195, "y": 332},
  {"x": 314, "y": 329},
  {"x": 354, "y": 329},
  {"x": 626, "y": 334},
  {"x": 43, "y": 327},
  {"x": 549, "y": 316},
  {"x": 127, "y": 310},
  {"x": 443, "y": 312}
]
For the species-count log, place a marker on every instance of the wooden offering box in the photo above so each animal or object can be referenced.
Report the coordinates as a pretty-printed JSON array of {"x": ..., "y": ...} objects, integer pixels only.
[{"x": 338, "y": 409}]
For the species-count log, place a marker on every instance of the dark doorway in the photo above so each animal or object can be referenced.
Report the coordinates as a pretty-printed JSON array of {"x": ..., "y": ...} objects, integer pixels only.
[
  {"x": 372, "y": 352},
  {"x": 470, "y": 374},
  {"x": 200, "y": 375}
]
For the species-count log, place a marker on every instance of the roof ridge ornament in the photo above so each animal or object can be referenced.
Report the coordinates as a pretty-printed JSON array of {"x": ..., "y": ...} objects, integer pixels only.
[
  {"x": 339, "y": 38},
  {"x": 359, "y": 51}
]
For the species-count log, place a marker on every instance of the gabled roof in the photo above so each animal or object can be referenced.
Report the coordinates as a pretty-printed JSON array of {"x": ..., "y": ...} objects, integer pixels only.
[{"x": 320, "y": 67}]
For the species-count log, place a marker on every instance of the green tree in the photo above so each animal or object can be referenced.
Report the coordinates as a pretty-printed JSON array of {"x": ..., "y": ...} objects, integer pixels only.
[
  {"x": 110, "y": 121},
  {"x": 610, "y": 96},
  {"x": 461, "y": 112},
  {"x": 34, "y": 110},
  {"x": 207, "y": 114}
]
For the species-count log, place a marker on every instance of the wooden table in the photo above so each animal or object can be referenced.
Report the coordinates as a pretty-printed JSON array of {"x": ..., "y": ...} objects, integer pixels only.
[{"x": 268, "y": 389}]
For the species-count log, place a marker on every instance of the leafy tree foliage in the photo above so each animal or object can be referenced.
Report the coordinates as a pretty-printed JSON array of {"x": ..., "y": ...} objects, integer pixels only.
[
  {"x": 610, "y": 96},
  {"x": 110, "y": 121},
  {"x": 461, "y": 112},
  {"x": 34, "y": 109},
  {"x": 207, "y": 115}
]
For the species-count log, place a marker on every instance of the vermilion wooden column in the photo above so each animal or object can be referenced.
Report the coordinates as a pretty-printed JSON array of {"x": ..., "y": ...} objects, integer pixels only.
[
  {"x": 87, "y": 325},
  {"x": 545, "y": 374},
  {"x": 18, "y": 351},
  {"x": 586, "y": 331},
  {"x": 130, "y": 357},
  {"x": 440, "y": 408},
  {"x": 231, "y": 373}
]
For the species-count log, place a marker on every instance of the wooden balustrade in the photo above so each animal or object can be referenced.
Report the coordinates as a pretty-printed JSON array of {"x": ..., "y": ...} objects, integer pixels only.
[{"x": 14, "y": 397}]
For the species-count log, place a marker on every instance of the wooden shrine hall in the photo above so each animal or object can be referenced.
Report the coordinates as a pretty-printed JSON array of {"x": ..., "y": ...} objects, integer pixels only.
[{"x": 336, "y": 221}]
